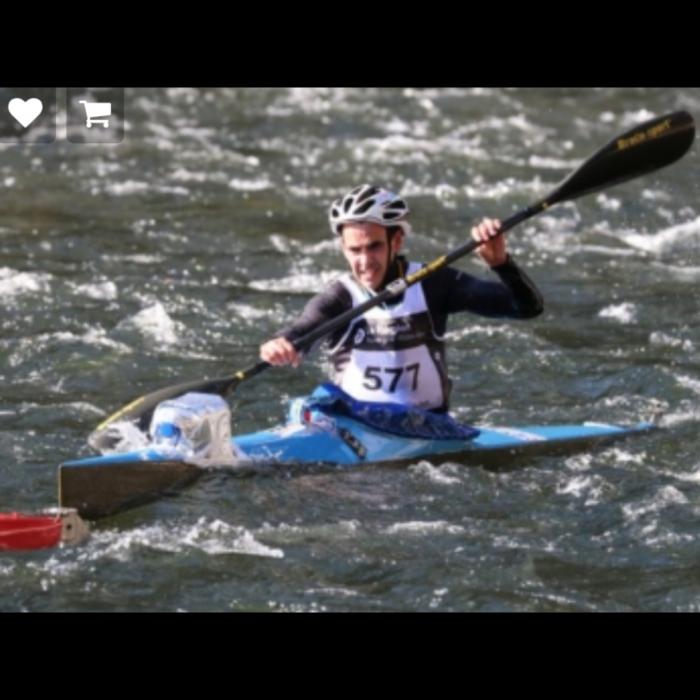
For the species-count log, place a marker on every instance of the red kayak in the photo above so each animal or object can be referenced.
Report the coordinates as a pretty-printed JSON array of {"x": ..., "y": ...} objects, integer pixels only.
[{"x": 19, "y": 531}]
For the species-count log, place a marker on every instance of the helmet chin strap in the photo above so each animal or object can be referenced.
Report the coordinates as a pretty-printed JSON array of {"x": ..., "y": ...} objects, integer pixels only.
[{"x": 391, "y": 259}]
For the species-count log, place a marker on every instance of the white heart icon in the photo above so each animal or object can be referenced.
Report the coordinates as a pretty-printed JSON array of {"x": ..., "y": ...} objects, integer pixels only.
[{"x": 25, "y": 112}]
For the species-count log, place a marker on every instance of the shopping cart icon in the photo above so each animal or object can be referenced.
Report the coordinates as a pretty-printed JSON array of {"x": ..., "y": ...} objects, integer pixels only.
[{"x": 95, "y": 110}]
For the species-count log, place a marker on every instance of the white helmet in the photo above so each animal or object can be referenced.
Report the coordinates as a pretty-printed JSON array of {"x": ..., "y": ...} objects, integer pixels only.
[{"x": 367, "y": 203}]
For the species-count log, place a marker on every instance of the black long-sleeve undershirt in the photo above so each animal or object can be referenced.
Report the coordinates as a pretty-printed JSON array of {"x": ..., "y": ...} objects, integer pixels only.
[{"x": 446, "y": 291}]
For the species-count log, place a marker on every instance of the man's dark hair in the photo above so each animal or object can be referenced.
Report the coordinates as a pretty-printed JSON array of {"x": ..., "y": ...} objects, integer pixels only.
[{"x": 391, "y": 231}]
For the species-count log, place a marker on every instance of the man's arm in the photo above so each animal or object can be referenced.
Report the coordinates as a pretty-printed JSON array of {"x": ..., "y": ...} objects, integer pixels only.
[
  {"x": 321, "y": 308},
  {"x": 514, "y": 296}
]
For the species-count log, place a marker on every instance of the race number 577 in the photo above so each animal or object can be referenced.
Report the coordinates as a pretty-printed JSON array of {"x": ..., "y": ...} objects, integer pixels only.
[{"x": 388, "y": 378}]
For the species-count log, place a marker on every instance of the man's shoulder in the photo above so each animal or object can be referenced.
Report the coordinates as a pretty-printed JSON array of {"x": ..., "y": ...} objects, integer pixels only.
[
  {"x": 442, "y": 276},
  {"x": 334, "y": 292},
  {"x": 337, "y": 286}
]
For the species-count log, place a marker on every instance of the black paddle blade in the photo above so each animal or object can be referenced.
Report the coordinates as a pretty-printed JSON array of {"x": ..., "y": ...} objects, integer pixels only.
[{"x": 648, "y": 147}]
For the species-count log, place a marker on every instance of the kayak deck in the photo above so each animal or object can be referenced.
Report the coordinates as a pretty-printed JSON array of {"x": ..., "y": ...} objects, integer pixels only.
[
  {"x": 348, "y": 445},
  {"x": 106, "y": 485}
]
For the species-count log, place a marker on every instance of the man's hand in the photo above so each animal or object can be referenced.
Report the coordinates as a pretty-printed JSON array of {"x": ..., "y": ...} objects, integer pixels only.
[
  {"x": 493, "y": 251},
  {"x": 279, "y": 351}
]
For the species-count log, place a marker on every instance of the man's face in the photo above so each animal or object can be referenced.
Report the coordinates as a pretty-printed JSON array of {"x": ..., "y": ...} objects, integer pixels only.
[{"x": 368, "y": 253}]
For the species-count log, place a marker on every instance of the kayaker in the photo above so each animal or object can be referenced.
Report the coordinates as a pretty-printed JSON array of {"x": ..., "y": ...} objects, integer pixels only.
[{"x": 395, "y": 352}]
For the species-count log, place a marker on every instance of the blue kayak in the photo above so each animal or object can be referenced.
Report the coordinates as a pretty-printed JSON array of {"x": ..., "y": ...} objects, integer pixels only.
[
  {"x": 323, "y": 429},
  {"x": 353, "y": 443}
]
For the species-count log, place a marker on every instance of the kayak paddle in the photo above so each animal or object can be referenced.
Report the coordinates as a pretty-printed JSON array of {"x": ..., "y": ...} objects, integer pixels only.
[{"x": 647, "y": 147}]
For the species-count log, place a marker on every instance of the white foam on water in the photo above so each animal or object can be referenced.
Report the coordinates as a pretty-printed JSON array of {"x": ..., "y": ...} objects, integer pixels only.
[
  {"x": 689, "y": 383},
  {"x": 341, "y": 592},
  {"x": 634, "y": 401},
  {"x": 201, "y": 135},
  {"x": 138, "y": 259},
  {"x": 55, "y": 569},
  {"x": 661, "y": 339},
  {"x": 447, "y": 194},
  {"x": 97, "y": 336},
  {"x": 495, "y": 330},
  {"x": 212, "y": 537},
  {"x": 299, "y": 283},
  {"x": 247, "y": 312},
  {"x": 656, "y": 195},
  {"x": 255, "y": 185},
  {"x": 689, "y": 477},
  {"x": 400, "y": 149},
  {"x": 419, "y": 129},
  {"x": 93, "y": 337},
  {"x": 327, "y": 245},
  {"x": 121, "y": 544},
  {"x": 590, "y": 488},
  {"x": 219, "y": 537},
  {"x": 7, "y": 569},
  {"x": 155, "y": 323},
  {"x": 670, "y": 420},
  {"x": 133, "y": 187},
  {"x": 312, "y": 101},
  {"x": 184, "y": 175},
  {"x": 664, "y": 497},
  {"x": 52, "y": 571},
  {"x": 438, "y": 475},
  {"x": 676, "y": 272},
  {"x": 519, "y": 122},
  {"x": 35, "y": 345},
  {"x": 504, "y": 188},
  {"x": 563, "y": 600},
  {"x": 476, "y": 189},
  {"x": 312, "y": 607},
  {"x": 101, "y": 291},
  {"x": 429, "y": 106},
  {"x": 307, "y": 191},
  {"x": 438, "y": 595},
  {"x": 663, "y": 540},
  {"x": 121, "y": 189},
  {"x": 169, "y": 236},
  {"x": 684, "y": 236},
  {"x": 419, "y": 527},
  {"x": 551, "y": 163},
  {"x": 85, "y": 408},
  {"x": 620, "y": 456},
  {"x": 575, "y": 486},
  {"x": 505, "y": 542},
  {"x": 286, "y": 533},
  {"x": 14, "y": 283},
  {"x": 625, "y": 313},
  {"x": 631, "y": 119},
  {"x": 565, "y": 222},
  {"x": 607, "y": 251},
  {"x": 581, "y": 462},
  {"x": 281, "y": 243},
  {"x": 167, "y": 189},
  {"x": 607, "y": 202}
]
